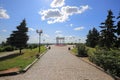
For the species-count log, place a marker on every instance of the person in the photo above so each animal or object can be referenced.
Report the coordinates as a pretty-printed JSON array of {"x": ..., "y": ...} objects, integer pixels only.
[
  {"x": 49, "y": 47},
  {"x": 68, "y": 48}
]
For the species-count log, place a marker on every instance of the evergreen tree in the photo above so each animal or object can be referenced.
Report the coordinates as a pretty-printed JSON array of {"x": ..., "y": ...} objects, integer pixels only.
[
  {"x": 19, "y": 38},
  {"x": 3, "y": 44},
  {"x": 118, "y": 25},
  {"x": 92, "y": 38},
  {"x": 118, "y": 32},
  {"x": 108, "y": 37}
]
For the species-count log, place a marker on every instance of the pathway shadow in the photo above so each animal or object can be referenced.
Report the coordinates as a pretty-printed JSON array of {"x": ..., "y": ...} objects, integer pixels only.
[{"x": 9, "y": 56}]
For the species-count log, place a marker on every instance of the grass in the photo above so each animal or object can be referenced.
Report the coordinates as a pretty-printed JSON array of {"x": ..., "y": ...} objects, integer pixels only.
[
  {"x": 74, "y": 51},
  {"x": 21, "y": 61},
  {"x": 90, "y": 50}
]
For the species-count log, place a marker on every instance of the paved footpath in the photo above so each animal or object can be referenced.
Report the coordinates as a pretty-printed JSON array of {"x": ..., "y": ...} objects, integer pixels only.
[{"x": 59, "y": 64}]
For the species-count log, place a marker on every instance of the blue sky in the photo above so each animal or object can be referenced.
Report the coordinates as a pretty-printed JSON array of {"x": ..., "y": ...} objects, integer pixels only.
[{"x": 71, "y": 19}]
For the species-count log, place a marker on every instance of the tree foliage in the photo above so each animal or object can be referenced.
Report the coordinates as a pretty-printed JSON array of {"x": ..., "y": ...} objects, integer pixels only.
[
  {"x": 92, "y": 38},
  {"x": 19, "y": 38},
  {"x": 108, "y": 37},
  {"x": 118, "y": 32}
]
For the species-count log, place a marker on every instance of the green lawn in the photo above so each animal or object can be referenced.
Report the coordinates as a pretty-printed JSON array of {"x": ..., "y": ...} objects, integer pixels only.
[
  {"x": 90, "y": 50},
  {"x": 21, "y": 61},
  {"x": 74, "y": 51}
]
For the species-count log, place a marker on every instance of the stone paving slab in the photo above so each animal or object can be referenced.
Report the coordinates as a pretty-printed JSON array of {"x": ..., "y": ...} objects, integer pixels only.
[{"x": 59, "y": 64}]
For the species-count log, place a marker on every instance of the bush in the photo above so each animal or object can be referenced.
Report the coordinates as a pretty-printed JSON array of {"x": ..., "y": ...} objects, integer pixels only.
[
  {"x": 8, "y": 48},
  {"x": 82, "y": 51},
  {"x": 32, "y": 46},
  {"x": 108, "y": 60},
  {"x": 1, "y": 49}
]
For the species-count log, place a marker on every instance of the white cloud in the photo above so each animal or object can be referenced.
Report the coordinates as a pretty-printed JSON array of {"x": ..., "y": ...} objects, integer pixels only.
[
  {"x": 3, "y": 14},
  {"x": 71, "y": 25},
  {"x": 53, "y": 16},
  {"x": 69, "y": 37},
  {"x": 59, "y": 35},
  {"x": 61, "y": 15},
  {"x": 31, "y": 29},
  {"x": 78, "y": 28},
  {"x": 70, "y": 10},
  {"x": 58, "y": 32},
  {"x": 46, "y": 35},
  {"x": 57, "y": 3},
  {"x": 4, "y": 30},
  {"x": 50, "y": 14}
]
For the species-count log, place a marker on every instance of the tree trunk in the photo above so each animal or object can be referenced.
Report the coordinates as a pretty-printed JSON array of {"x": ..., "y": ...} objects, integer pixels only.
[{"x": 20, "y": 51}]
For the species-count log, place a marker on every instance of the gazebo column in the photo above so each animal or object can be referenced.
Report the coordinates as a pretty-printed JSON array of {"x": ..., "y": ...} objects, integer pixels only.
[{"x": 60, "y": 40}]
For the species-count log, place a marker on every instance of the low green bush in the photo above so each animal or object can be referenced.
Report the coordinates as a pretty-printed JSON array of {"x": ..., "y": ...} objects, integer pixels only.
[
  {"x": 108, "y": 60},
  {"x": 32, "y": 46},
  {"x": 81, "y": 49},
  {"x": 1, "y": 49},
  {"x": 6, "y": 48}
]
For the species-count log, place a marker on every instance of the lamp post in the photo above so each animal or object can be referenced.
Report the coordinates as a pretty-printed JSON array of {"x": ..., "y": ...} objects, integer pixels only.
[
  {"x": 79, "y": 40},
  {"x": 39, "y": 32}
]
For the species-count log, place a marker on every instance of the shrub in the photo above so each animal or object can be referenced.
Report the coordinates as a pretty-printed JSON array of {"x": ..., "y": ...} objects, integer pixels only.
[
  {"x": 108, "y": 60},
  {"x": 8, "y": 48},
  {"x": 32, "y": 46},
  {"x": 82, "y": 51},
  {"x": 2, "y": 49}
]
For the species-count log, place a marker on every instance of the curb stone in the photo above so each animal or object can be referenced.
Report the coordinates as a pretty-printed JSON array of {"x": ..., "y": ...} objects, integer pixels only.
[{"x": 25, "y": 69}]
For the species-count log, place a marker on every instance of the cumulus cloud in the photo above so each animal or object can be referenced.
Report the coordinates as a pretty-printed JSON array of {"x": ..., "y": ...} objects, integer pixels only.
[
  {"x": 3, "y": 14},
  {"x": 70, "y": 10},
  {"x": 78, "y": 28},
  {"x": 57, "y": 3},
  {"x": 52, "y": 15},
  {"x": 61, "y": 15}
]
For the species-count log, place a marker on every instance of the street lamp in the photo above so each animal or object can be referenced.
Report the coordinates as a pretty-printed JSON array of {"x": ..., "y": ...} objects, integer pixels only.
[{"x": 39, "y": 32}]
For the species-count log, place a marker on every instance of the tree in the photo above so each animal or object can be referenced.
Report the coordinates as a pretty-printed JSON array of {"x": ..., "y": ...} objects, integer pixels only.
[
  {"x": 92, "y": 38},
  {"x": 3, "y": 44},
  {"x": 108, "y": 37},
  {"x": 118, "y": 32},
  {"x": 19, "y": 38},
  {"x": 118, "y": 25}
]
